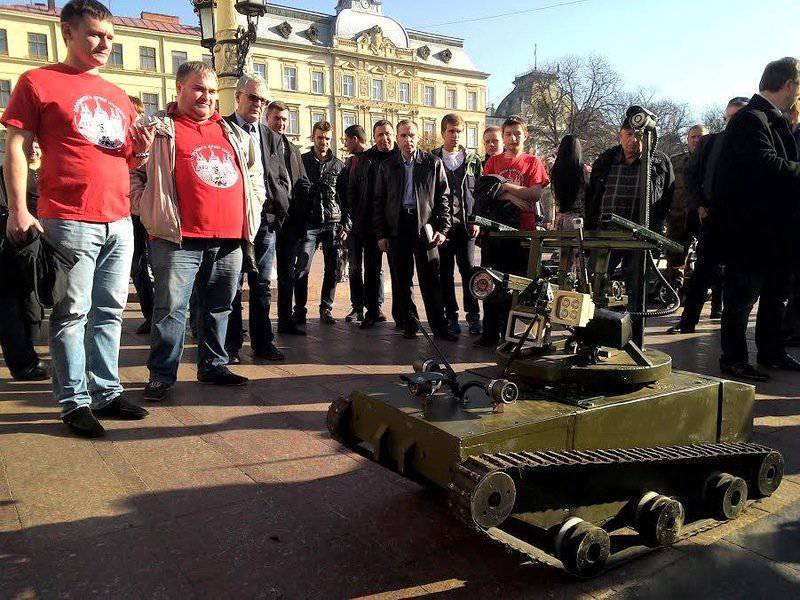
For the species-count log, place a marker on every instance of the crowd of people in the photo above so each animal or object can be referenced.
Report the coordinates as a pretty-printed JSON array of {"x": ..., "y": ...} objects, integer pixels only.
[{"x": 190, "y": 203}]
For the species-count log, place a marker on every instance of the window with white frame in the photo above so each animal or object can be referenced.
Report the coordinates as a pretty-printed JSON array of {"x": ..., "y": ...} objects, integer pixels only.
[
  {"x": 348, "y": 86},
  {"x": 377, "y": 89},
  {"x": 472, "y": 101},
  {"x": 147, "y": 58},
  {"x": 3, "y": 141},
  {"x": 451, "y": 99},
  {"x": 3, "y": 41},
  {"x": 37, "y": 45},
  {"x": 115, "y": 58},
  {"x": 349, "y": 119},
  {"x": 317, "y": 82},
  {"x": 290, "y": 79},
  {"x": 150, "y": 102},
  {"x": 293, "y": 127},
  {"x": 429, "y": 129},
  {"x": 5, "y": 92},
  {"x": 317, "y": 116},
  {"x": 472, "y": 137},
  {"x": 429, "y": 96},
  {"x": 260, "y": 69},
  {"x": 178, "y": 58},
  {"x": 404, "y": 93}
]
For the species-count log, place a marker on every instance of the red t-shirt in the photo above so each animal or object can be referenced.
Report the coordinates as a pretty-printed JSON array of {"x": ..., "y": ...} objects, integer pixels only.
[
  {"x": 525, "y": 170},
  {"x": 208, "y": 180},
  {"x": 81, "y": 122}
]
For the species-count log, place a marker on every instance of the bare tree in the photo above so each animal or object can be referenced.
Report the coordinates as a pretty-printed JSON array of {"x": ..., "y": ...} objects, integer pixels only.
[
  {"x": 575, "y": 95},
  {"x": 713, "y": 117}
]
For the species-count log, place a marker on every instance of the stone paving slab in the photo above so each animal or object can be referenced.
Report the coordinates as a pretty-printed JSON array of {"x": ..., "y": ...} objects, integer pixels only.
[{"x": 243, "y": 493}]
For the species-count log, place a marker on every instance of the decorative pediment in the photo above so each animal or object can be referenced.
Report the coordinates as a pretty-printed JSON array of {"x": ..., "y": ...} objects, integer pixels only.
[
  {"x": 346, "y": 64},
  {"x": 284, "y": 29},
  {"x": 377, "y": 70},
  {"x": 446, "y": 55},
  {"x": 424, "y": 52},
  {"x": 373, "y": 41},
  {"x": 403, "y": 73}
]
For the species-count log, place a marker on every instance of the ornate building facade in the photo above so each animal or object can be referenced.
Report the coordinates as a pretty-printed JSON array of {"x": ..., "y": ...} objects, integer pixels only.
[{"x": 354, "y": 66}]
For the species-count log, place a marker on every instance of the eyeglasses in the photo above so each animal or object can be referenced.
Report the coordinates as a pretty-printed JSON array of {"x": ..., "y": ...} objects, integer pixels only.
[{"x": 254, "y": 99}]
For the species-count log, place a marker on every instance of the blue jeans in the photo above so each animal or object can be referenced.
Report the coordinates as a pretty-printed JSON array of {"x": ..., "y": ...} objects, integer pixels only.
[
  {"x": 216, "y": 265},
  {"x": 261, "y": 334},
  {"x": 86, "y": 325},
  {"x": 313, "y": 240}
]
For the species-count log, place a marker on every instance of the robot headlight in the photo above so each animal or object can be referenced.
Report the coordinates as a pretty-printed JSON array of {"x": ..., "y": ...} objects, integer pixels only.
[{"x": 483, "y": 284}]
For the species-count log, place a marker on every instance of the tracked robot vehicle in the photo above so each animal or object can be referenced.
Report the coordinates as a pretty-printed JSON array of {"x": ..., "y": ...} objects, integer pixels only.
[{"x": 579, "y": 431}]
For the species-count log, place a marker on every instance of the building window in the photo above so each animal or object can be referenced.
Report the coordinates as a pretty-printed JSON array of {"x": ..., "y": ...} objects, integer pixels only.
[
  {"x": 451, "y": 99},
  {"x": 472, "y": 137},
  {"x": 37, "y": 45},
  {"x": 5, "y": 92},
  {"x": 150, "y": 102},
  {"x": 3, "y": 143},
  {"x": 404, "y": 93},
  {"x": 472, "y": 101},
  {"x": 375, "y": 119},
  {"x": 147, "y": 58},
  {"x": 178, "y": 58},
  {"x": 348, "y": 120},
  {"x": 377, "y": 89},
  {"x": 428, "y": 130},
  {"x": 348, "y": 85},
  {"x": 293, "y": 128},
  {"x": 317, "y": 116},
  {"x": 115, "y": 58},
  {"x": 290, "y": 79},
  {"x": 208, "y": 60},
  {"x": 429, "y": 98},
  {"x": 260, "y": 70},
  {"x": 3, "y": 41},
  {"x": 317, "y": 82}
]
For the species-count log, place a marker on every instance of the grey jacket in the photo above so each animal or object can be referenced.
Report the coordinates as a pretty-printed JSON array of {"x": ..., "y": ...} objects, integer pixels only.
[{"x": 153, "y": 190}]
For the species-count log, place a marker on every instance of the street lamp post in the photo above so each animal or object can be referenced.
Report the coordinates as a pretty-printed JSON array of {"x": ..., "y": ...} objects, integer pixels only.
[{"x": 230, "y": 43}]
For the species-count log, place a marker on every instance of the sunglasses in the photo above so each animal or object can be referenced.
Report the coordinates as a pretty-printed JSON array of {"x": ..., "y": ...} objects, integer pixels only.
[{"x": 253, "y": 98}]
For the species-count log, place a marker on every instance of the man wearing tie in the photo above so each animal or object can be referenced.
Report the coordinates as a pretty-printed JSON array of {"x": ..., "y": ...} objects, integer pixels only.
[{"x": 251, "y": 103}]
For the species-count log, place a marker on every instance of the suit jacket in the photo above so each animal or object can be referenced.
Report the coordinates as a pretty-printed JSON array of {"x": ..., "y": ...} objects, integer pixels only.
[
  {"x": 298, "y": 200},
  {"x": 757, "y": 187},
  {"x": 276, "y": 176},
  {"x": 360, "y": 203},
  {"x": 430, "y": 190}
]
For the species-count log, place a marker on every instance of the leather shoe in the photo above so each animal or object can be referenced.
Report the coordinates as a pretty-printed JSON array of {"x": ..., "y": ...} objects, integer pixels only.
[
  {"x": 82, "y": 422},
  {"x": 222, "y": 376},
  {"x": 121, "y": 409},
  {"x": 269, "y": 353},
  {"x": 38, "y": 372},
  {"x": 445, "y": 335},
  {"x": 234, "y": 358},
  {"x": 326, "y": 317},
  {"x": 783, "y": 363},
  {"x": 410, "y": 334},
  {"x": 354, "y": 315},
  {"x": 156, "y": 391},
  {"x": 380, "y": 317},
  {"x": 299, "y": 319},
  {"x": 291, "y": 329},
  {"x": 743, "y": 370},
  {"x": 368, "y": 322},
  {"x": 679, "y": 329}
]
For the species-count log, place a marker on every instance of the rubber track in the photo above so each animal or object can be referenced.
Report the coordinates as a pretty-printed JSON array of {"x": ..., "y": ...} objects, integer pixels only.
[{"x": 471, "y": 471}]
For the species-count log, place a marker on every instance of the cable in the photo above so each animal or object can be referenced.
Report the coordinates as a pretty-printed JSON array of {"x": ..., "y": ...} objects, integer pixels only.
[
  {"x": 506, "y": 14},
  {"x": 649, "y": 314}
]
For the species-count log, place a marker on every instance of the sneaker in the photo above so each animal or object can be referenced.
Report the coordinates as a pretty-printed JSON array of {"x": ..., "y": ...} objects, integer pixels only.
[
  {"x": 675, "y": 329},
  {"x": 475, "y": 327},
  {"x": 122, "y": 410},
  {"x": 271, "y": 352},
  {"x": 156, "y": 391},
  {"x": 326, "y": 317},
  {"x": 380, "y": 317},
  {"x": 354, "y": 315},
  {"x": 83, "y": 423},
  {"x": 144, "y": 328},
  {"x": 221, "y": 376},
  {"x": 234, "y": 358},
  {"x": 452, "y": 324}
]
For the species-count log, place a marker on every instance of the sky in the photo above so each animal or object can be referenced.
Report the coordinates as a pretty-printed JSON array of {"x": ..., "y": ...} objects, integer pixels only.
[{"x": 698, "y": 51}]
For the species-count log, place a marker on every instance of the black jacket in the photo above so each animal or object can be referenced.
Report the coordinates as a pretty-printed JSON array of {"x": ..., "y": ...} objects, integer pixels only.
[
  {"x": 361, "y": 189},
  {"x": 662, "y": 178},
  {"x": 276, "y": 175},
  {"x": 298, "y": 202},
  {"x": 490, "y": 206},
  {"x": 324, "y": 204},
  {"x": 473, "y": 169},
  {"x": 757, "y": 186},
  {"x": 430, "y": 190}
]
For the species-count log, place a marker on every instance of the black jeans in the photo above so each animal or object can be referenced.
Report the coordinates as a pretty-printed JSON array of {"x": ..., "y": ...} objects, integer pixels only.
[
  {"x": 458, "y": 250},
  {"x": 288, "y": 244},
  {"x": 707, "y": 274},
  {"x": 16, "y": 334},
  {"x": 743, "y": 286},
  {"x": 366, "y": 274},
  {"x": 325, "y": 237},
  {"x": 260, "y": 285},
  {"x": 140, "y": 268},
  {"x": 406, "y": 249},
  {"x": 505, "y": 256}
]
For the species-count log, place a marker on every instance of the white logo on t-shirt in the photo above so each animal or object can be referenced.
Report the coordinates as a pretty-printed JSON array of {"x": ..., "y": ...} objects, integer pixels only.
[
  {"x": 100, "y": 121},
  {"x": 215, "y": 165}
]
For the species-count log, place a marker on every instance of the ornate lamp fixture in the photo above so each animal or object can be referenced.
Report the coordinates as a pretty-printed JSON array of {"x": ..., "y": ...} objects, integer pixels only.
[
  {"x": 238, "y": 45},
  {"x": 205, "y": 11}
]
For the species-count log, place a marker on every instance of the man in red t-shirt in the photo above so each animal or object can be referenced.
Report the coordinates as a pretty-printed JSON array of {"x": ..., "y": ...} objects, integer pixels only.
[
  {"x": 86, "y": 128},
  {"x": 526, "y": 177},
  {"x": 201, "y": 193}
]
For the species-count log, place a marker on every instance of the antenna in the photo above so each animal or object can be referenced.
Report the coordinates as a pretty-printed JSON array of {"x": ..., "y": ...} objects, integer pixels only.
[{"x": 535, "y": 56}]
